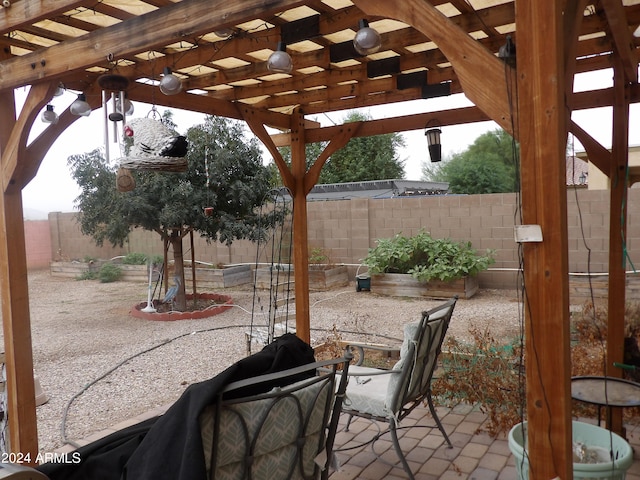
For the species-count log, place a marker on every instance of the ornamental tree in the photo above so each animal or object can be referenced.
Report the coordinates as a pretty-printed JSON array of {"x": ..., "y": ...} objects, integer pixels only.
[
  {"x": 361, "y": 159},
  {"x": 488, "y": 165},
  {"x": 172, "y": 204}
]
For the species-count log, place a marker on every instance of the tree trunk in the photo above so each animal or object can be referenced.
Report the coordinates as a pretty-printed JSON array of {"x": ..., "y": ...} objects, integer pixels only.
[{"x": 180, "y": 301}]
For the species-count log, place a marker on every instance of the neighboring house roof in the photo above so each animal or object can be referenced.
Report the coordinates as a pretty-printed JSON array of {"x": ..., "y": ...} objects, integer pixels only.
[
  {"x": 577, "y": 171},
  {"x": 377, "y": 189}
]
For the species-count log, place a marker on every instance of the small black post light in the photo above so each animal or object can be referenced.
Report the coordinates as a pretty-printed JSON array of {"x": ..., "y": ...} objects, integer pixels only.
[
  {"x": 433, "y": 140},
  {"x": 582, "y": 179}
]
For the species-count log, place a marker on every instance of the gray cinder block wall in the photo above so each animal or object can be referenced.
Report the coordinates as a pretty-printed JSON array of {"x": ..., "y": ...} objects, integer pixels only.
[{"x": 346, "y": 229}]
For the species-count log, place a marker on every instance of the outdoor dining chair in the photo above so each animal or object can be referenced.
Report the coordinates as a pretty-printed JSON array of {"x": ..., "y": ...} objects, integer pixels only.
[
  {"x": 390, "y": 395},
  {"x": 285, "y": 433}
]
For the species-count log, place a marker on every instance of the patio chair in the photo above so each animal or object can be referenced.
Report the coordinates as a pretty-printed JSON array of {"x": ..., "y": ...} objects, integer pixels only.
[
  {"x": 390, "y": 395},
  {"x": 285, "y": 433}
]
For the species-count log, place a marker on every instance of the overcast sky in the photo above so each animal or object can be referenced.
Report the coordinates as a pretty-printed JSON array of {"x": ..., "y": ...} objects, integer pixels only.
[{"x": 53, "y": 189}]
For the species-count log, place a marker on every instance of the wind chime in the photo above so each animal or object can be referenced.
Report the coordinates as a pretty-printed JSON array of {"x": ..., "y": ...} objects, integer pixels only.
[{"x": 116, "y": 107}]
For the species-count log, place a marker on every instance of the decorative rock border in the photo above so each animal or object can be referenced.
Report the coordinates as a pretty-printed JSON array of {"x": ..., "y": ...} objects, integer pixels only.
[{"x": 224, "y": 300}]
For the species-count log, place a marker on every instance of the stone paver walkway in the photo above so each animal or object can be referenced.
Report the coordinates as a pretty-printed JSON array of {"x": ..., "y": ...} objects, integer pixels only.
[{"x": 475, "y": 454}]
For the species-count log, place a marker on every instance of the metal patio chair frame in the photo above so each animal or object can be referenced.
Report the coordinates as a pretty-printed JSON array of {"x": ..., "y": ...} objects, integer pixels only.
[{"x": 390, "y": 395}]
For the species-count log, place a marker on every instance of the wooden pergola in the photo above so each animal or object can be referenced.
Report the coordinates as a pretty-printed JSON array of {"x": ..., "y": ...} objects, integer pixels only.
[{"x": 429, "y": 48}]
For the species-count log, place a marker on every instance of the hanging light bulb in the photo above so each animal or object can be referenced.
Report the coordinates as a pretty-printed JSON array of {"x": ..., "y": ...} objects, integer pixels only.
[
  {"x": 280, "y": 61},
  {"x": 170, "y": 84},
  {"x": 49, "y": 116},
  {"x": 80, "y": 107},
  {"x": 367, "y": 40},
  {"x": 59, "y": 90},
  {"x": 128, "y": 105},
  {"x": 224, "y": 33}
]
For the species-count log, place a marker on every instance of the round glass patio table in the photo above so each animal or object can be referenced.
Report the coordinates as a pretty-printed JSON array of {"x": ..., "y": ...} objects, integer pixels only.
[{"x": 605, "y": 392}]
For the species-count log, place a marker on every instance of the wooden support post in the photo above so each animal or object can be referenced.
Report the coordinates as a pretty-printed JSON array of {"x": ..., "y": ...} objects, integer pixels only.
[
  {"x": 21, "y": 412},
  {"x": 300, "y": 234},
  {"x": 542, "y": 131},
  {"x": 617, "y": 233},
  {"x": 23, "y": 430}
]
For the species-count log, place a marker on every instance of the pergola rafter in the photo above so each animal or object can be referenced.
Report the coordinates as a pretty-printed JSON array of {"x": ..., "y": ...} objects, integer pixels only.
[{"x": 435, "y": 47}]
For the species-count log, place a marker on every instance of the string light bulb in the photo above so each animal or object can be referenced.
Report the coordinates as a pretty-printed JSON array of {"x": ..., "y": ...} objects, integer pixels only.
[
  {"x": 224, "y": 33},
  {"x": 170, "y": 84},
  {"x": 367, "y": 40},
  {"x": 128, "y": 105},
  {"x": 80, "y": 107},
  {"x": 49, "y": 116},
  {"x": 59, "y": 90},
  {"x": 280, "y": 61}
]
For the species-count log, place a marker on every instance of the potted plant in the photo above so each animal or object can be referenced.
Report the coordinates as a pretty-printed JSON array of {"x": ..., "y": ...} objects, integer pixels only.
[{"x": 421, "y": 265}]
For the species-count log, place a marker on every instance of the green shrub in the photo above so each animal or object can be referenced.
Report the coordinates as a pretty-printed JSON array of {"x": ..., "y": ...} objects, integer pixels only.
[
  {"x": 88, "y": 275},
  {"x": 135, "y": 259},
  {"x": 109, "y": 273},
  {"x": 427, "y": 258}
]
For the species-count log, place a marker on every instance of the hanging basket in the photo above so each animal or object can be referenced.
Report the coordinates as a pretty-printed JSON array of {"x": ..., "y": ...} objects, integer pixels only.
[
  {"x": 155, "y": 147},
  {"x": 124, "y": 180}
]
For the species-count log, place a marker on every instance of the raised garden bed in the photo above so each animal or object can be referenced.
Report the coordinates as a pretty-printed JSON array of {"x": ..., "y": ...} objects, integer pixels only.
[
  {"x": 74, "y": 269},
  {"x": 326, "y": 278},
  {"x": 404, "y": 285},
  {"x": 216, "y": 278},
  {"x": 580, "y": 287},
  {"x": 320, "y": 278}
]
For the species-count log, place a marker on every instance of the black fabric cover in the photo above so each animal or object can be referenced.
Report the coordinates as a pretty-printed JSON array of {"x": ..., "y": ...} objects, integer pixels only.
[{"x": 170, "y": 446}]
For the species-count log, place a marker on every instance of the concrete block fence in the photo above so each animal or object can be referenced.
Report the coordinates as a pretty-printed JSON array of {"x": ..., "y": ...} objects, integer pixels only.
[{"x": 346, "y": 229}]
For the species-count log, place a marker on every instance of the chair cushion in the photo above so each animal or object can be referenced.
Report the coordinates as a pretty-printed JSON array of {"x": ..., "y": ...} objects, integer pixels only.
[
  {"x": 278, "y": 425},
  {"x": 366, "y": 392},
  {"x": 410, "y": 330},
  {"x": 374, "y": 393}
]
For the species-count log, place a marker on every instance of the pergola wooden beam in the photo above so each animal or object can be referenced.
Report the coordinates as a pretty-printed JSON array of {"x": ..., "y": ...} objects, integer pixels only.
[
  {"x": 38, "y": 97},
  {"x": 210, "y": 106},
  {"x": 488, "y": 90},
  {"x": 154, "y": 29},
  {"x": 623, "y": 41},
  {"x": 391, "y": 125},
  {"x": 13, "y": 270},
  {"x": 543, "y": 134},
  {"x": 26, "y": 12},
  {"x": 619, "y": 189}
]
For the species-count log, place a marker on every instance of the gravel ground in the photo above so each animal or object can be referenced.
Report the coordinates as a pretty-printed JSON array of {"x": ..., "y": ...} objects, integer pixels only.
[{"x": 82, "y": 331}]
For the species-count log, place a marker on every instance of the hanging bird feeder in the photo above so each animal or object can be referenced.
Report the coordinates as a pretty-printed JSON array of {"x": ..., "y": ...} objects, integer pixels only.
[{"x": 155, "y": 147}]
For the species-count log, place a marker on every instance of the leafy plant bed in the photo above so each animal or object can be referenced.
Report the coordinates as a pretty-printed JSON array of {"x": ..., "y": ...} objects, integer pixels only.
[
  {"x": 404, "y": 285},
  {"x": 208, "y": 305}
]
